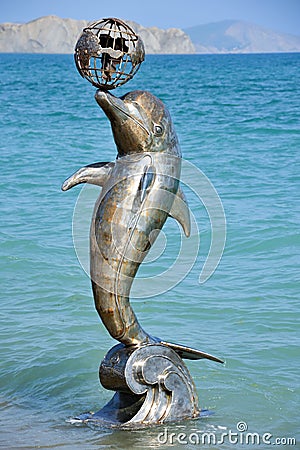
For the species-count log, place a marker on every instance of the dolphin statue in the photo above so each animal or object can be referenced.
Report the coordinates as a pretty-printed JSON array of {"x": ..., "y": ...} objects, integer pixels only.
[{"x": 140, "y": 190}]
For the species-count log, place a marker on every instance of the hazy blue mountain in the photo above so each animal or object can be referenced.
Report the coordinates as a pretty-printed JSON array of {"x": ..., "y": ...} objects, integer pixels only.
[{"x": 233, "y": 36}]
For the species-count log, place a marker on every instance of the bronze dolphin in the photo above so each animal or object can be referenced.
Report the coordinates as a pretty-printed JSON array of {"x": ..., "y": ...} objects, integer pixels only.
[{"x": 140, "y": 190}]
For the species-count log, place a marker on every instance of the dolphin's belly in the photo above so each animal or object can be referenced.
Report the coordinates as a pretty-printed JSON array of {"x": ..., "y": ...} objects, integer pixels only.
[{"x": 122, "y": 227}]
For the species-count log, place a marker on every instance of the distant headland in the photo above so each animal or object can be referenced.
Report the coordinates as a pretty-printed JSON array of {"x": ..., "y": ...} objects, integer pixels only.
[{"x": 52, "y": 34}]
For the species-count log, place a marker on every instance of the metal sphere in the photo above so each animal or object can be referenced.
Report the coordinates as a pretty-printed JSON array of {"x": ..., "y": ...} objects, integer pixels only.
[{"x": 108, "y": 53}]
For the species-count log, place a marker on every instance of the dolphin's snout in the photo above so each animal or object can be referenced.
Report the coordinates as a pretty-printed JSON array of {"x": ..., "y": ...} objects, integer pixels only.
[
  {"x": 107, "y": 100},
  {"x": 119, "y": 111},
  {"x": 112, "y": 106},
  {"x": 100, "y": 96}
]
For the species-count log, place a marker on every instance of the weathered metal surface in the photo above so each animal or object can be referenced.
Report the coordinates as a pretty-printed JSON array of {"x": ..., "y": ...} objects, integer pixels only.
[
  {"x": 108, "y": 53},
  {"x": 138, "y": 193},
  {"x": 140, "y": 190},
  {"x": 154, "y": 386}
]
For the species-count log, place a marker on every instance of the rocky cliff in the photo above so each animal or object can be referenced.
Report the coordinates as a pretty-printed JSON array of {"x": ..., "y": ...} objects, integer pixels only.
[{"x": 52, "y": 34}]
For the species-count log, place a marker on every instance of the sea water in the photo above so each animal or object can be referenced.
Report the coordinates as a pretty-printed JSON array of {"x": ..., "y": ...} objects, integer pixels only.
[{"x": 237, "y": 119}]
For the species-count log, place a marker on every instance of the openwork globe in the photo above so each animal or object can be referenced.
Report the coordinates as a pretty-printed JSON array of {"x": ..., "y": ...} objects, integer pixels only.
[{"x": 108, "y": 53}]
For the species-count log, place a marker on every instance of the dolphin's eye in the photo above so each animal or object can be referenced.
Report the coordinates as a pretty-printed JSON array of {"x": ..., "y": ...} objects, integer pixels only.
[{"x": 158, "y": 129}]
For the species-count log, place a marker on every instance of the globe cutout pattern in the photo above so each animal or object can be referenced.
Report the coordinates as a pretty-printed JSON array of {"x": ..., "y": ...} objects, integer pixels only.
[{"x": 108, "y": 53}]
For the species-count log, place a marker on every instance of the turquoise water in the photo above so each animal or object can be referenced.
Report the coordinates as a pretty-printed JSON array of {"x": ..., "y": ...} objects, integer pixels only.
[{"x": 237, "y": 118}]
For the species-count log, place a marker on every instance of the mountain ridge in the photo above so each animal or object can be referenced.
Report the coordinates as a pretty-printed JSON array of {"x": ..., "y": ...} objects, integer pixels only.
[
  {"x": 52, "y": 34},
  {"x": 237, "y": 36}
]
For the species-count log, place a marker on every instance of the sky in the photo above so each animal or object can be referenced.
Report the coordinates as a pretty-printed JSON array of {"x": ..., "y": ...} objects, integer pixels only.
[{"x": 279, "y": 15}]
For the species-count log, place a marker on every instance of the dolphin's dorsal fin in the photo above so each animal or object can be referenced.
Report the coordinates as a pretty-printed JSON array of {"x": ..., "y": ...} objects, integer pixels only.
[
  {"x": 96, "y": 173},
  {"x": 180, "y": 211}
]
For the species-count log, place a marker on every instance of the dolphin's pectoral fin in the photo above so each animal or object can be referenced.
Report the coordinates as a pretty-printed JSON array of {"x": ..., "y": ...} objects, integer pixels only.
[
  {"x": 96, "y": 173},
  {"x": 147, "y": 181},
  {"x": 191, "y": 353},
  {"x": 180, "y": 211}
]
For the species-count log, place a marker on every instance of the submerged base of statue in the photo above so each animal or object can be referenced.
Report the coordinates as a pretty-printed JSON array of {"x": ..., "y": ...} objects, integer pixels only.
[{"x": 152, "y": 384}]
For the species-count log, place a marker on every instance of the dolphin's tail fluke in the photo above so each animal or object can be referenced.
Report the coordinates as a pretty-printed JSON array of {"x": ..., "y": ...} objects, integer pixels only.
[{"x": 190, "y": 353}]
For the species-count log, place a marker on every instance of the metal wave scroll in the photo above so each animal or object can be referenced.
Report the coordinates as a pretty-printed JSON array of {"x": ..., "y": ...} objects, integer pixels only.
[{"x": 153, "y": 386}]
